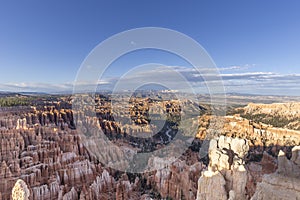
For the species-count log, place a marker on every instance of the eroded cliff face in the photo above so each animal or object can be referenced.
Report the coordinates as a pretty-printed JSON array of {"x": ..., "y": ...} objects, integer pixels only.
[
  {"x": 257, "y": 134},
  {"x": 289, "y": 110},
  {"x": 285, "y": 182},
  {"x": 282, "y": 115}
]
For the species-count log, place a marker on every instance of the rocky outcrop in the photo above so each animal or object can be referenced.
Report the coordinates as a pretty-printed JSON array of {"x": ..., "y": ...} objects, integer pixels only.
[
  {"x": 21, "y": 124},
  {"x": 231, "y": 179},
  {"x": 256, "y": 170},
  {"x": 20, "y": 191},
  {"x": 285, "y": 182},
  {"x": 212, "y": 181},
  {"x": 226, "y": 172},
  {"x": 71, "y": 195},
  {"x": 177, "y": 181}
]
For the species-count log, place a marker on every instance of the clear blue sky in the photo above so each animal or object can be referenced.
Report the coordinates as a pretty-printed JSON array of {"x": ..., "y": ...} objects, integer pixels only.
[{"x": 46, "y": 41}]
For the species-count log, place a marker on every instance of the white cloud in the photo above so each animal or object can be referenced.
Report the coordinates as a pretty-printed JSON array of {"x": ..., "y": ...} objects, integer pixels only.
[
  {"x": 237, "y": 67},
  {"x": 234, "y": 79}
]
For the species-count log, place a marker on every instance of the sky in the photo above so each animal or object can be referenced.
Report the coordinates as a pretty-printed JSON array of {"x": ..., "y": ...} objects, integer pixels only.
[{"x": 255, "y": 44}]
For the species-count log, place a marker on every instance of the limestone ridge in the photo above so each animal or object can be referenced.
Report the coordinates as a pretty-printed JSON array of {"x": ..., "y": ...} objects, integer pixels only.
[
  {"x": 226, "y": 177},
  {"x": 285, "y": 182}
]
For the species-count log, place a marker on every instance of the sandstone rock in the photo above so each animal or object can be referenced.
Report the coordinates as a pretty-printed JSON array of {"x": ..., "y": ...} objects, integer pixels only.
[
  {"x": 226, "y": 152},
  {"x": 296, "y": 155},
  {"x": 289, "y": 168},
  {"x": 211, "y": 185},
  {"x": 257, "y": 135},
  {"x": 256, "y": 170},
  {"x": 20, "y": 191},
  {"x": 177, "y": 180},
  {"x": 41, "y": 147},
  {"x": 277, "y": 187},
  {"x": 72, "y": 195},
  {"x": 283, "y": 109},
  {"x": 226, "y": 170},
  {"x": 284, "y": 183}
]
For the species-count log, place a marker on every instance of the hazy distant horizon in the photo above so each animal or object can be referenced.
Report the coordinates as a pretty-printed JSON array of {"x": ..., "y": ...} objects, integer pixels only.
[
  {"x": 258, "y": 83},
  {"x": 70, "y": 92}
]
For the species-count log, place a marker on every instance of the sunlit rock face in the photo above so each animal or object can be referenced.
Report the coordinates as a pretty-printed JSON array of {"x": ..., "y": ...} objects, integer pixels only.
[
  {"x": 226, "y": 177},
  {"x": 20, "y": 191},
  {"x": 288, "y": 110},
  {"x": 285, "y": 182}
]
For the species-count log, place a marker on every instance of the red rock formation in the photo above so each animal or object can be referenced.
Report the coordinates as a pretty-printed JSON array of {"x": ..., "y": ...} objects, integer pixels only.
[{"x": 41, "y": 147}]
